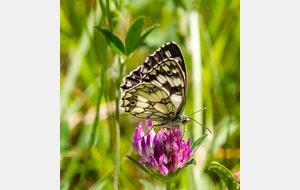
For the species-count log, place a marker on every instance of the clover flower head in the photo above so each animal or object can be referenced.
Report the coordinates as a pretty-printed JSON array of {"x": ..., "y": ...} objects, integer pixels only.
[{"x": 163, "y": 152}]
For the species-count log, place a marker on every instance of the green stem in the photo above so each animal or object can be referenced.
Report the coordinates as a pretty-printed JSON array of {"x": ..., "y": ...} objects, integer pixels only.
[
  {"x": 117, "y": 127},
  {"x": 168, "y": 186},
  {"x": 92, "y": 138},
  {"x": 108, "y": 16}
]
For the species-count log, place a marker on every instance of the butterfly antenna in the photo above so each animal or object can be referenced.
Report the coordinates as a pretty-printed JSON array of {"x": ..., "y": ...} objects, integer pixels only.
[
  {"x": 197, "y": 111},
  {"x": 201, "y": 125}
]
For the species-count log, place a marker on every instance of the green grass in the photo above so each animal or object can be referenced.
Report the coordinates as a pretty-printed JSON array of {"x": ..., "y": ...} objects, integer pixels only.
[{"x": 90, "y": 68}]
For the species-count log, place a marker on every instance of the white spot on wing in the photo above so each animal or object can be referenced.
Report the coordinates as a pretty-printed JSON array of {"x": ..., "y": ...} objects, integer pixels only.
[
  {"x": 155, "y": 82},
  {"x": 170, "y": 81},
  {"x": 137, "y": 110},
  {"x": 166, "y": 91},
  {"x": 128, "y": 84},
  {"x": 142, "y": 104},
  {"x": 168, "y": 54},
  {"x": 176, "y": 99},
  {"x": 142, "y": 99},
  {"x": 161, "y": 79}
]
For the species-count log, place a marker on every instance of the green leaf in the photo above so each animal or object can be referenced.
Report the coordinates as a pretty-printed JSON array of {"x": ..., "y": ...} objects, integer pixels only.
[
  {"x": 198, "y": 142},
  {"x": 170, "y": 178},
  {"x": 191, "y": 162},
  {"x": 145, "y": 33},
  {"x": 225, "y": 175},
  {"x": 139, "y": 165},
  {"x": 113, "y": 41},
  {"x": 133, "y": 35}
]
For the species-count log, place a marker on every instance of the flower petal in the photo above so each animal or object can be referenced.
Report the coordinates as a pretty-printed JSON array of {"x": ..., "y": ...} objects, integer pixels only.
[
  {"x": 180, "y": 165},
  {"x": 171, "y": 168},
  {"x": 163, "y": 159},
  {"x": 154, "y": 163},
  {"x": 187, "y": 143},
  {"x": 144, "y": 160},
  {"x": 175, "y": 147},
  {"x": 194, "y": 151},
  {"x": 164, "y": 170},
  {"x": 143, "y": 144}
]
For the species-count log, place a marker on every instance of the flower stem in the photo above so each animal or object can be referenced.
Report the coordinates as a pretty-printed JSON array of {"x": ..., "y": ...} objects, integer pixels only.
[{"x": 168, "y": 186}]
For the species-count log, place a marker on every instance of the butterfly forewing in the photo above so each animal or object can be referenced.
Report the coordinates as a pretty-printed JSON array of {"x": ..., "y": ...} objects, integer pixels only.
[
  {"x": 169, "y": 76},
  {"x": 169, "y": 50}
]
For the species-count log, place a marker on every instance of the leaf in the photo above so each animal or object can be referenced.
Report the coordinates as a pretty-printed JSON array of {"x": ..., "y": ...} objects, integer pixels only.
[
  {"x": 146, "y": 32},
  {"x": 113, "y": 41},
  {"x": 198, "y": 142},
  {"x": 191, "y": 162},
  {"x": 133, "y": 35},
  {"x": 225, "y": 175},
  {"x": 138, "y": 164}
]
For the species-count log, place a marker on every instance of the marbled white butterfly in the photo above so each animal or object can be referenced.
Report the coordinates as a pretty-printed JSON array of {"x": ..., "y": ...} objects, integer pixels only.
[{"x": 157, "y": 89}]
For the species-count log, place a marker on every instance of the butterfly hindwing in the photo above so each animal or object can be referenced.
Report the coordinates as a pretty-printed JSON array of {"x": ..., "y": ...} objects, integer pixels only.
[{"x": 148, "y": 101}]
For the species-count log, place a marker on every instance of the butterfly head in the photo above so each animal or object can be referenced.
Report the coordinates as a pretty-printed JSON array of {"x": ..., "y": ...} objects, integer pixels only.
[{"x": 184, "y": 119}]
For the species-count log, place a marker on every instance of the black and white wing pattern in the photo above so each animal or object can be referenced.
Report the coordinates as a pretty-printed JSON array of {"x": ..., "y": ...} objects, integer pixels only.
[{"x": 156, "y": 90}]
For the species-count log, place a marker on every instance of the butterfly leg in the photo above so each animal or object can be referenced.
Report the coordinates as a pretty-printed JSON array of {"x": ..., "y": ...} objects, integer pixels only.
[
  {"x": 151, "y": 129},
  {"x": 183, "y": 131}
]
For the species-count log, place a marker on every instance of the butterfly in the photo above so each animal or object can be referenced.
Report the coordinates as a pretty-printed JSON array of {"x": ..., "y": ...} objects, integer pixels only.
[{"x": 157, "y": 89}]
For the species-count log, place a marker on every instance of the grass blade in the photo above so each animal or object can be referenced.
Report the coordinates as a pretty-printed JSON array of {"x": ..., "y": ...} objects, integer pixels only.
[{"x": 139, "y": 165}]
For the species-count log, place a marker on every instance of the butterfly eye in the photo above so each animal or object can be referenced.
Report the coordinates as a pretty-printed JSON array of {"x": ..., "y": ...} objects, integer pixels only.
[
  {"x": 149, "y": 91},
  {"x": 135, "y": 96},
  {"x": 155, "y": 89},
  {"x": 132, "y": 102},
  {"x": 169, "y": 72}
]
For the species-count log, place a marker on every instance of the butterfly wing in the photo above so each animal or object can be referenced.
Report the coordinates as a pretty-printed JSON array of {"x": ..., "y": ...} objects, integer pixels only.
[
  {"x": 166, "y": 69},
  {"x": 169, "y": 76},
  {"x": 148, "y": 101}
]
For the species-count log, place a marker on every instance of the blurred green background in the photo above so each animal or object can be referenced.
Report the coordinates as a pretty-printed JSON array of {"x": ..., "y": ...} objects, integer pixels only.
[{"x": 208, "y": 33}]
